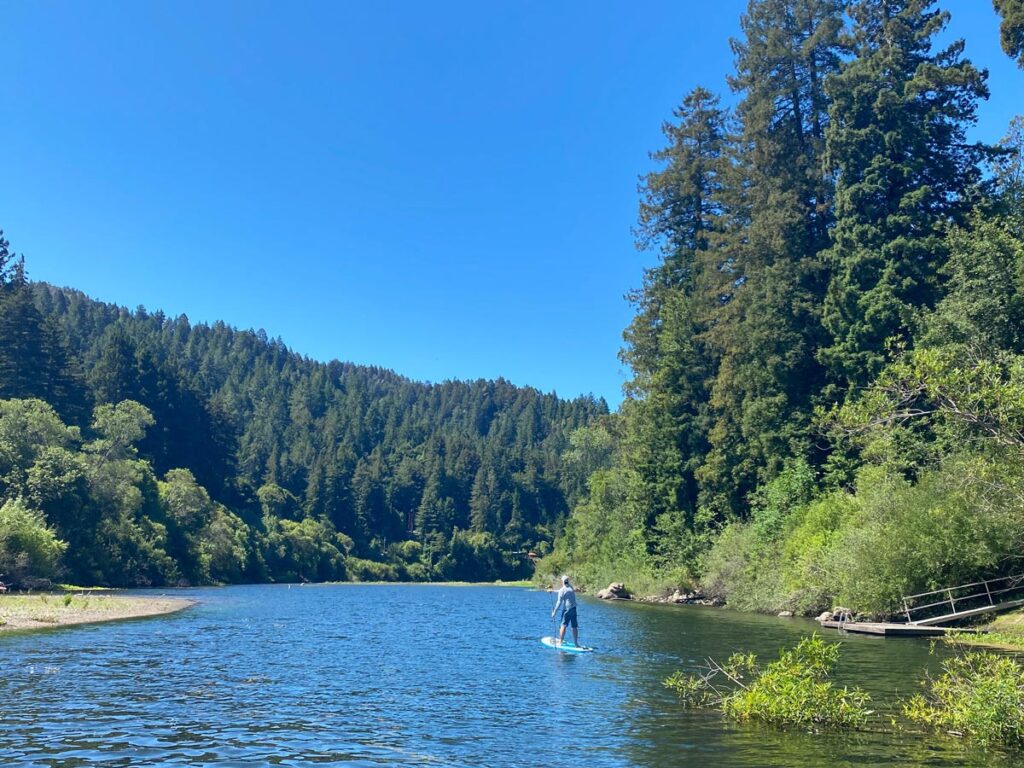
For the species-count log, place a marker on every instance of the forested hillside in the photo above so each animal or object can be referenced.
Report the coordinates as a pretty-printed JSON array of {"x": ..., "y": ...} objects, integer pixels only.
[
  {"x": 827, "y": 358},
  {"x": 149, "y": 450}
]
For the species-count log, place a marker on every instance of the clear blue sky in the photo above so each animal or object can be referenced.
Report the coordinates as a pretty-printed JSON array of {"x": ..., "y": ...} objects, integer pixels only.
[{"x": 445, "y": 189}]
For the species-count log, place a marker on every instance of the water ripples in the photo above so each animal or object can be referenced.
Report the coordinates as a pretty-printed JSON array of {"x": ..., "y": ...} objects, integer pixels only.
[{"x": 425, "y": 675}]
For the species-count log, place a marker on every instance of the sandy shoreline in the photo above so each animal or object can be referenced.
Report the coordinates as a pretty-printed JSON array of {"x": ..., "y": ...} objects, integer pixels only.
[{"x": 20, "y": 612}]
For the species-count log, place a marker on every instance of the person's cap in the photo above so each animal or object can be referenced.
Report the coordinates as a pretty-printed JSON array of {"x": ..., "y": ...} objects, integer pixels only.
[{"x": 565, "y": 579}]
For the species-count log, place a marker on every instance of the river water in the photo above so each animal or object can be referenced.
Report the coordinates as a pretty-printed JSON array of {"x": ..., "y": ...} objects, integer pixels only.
[{"x": 421, "y": 675}]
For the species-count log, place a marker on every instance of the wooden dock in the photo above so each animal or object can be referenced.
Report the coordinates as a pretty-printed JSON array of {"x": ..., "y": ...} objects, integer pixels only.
[
  {"x": 925, "y": 611},
  {"x": 888, "y": 629}
]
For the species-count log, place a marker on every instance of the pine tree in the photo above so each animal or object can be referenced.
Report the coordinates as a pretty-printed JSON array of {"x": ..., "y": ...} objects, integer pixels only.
[
  {"x": 485, "y": 511},
  {"x": 1011, "y": 31},
  {"x": 896, "y": 141},
  {"x": 34, "y": 359},
  {"x": 768, "y": 325},
  {"x": 1009, "y": 170},
  {"x": 680, "y": 211}
]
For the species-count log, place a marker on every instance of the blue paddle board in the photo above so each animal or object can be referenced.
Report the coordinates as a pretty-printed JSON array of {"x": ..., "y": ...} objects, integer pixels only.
[{"x": 566, "y": 647}]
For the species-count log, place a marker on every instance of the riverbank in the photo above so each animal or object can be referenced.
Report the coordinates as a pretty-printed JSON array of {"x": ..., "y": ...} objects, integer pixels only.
[
  {"x": 19, "y": 612},
  {"x": 1005, "y": 632}
]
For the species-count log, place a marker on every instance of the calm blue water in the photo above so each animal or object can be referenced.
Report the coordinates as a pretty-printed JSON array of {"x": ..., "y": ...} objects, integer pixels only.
[{"x": 417, "y": 675}]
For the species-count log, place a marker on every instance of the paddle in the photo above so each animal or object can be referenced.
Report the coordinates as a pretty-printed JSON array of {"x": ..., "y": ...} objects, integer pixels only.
[{"x": 554, "y": 620}]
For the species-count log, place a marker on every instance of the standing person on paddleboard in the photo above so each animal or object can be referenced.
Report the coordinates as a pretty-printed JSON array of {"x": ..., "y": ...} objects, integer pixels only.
[{"x": 567, "y": 602}]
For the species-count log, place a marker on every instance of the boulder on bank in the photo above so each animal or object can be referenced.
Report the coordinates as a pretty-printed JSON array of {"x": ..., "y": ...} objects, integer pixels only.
[
  {"x": 615, "y": 591},
  {"x": 785, "y": 614},
  {"x": 836, "y": 614},
  {"x": 685, "y": 598}
]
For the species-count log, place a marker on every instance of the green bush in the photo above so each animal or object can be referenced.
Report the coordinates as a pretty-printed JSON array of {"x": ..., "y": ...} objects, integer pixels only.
[
  {"x": 307, "y": 550},
  {"x": 370, "y": 570},
  {"x": 808, "y": 552},
  {"x": 794, "y": 690},
  {"x": 750, "y": 565},
  {"x": 979, "y": 695},
  {"x": 891, "y": 537},
  {"x": 743, "y": 569},
  {"x": 29, "y": 549},
  {"x": 409, "y": 551},
  {"x": 949, "y": 527},
  {"x": 224, "y": 547}
]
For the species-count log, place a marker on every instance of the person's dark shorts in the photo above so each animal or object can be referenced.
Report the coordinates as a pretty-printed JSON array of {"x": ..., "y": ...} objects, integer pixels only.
[{"x": 569, "y": 618}]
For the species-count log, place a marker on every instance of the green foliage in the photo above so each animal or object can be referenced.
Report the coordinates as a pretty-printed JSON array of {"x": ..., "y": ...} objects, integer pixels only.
[
  {"x": 370, "y": 570},
  {"x": 794, "y": 690},
  {"x": 118, "y": 427},
  {"x": 984, "y": 303},
  {"x": 189, "y": 511},
  {"x": 767, "y": 321},
  {"x": 979, "y": 695},
  {"x": 1011, "y": 31},
  {"x": 897, "y": 141},
  {"x": 307, "y": 550},
  {"x": 945, "y": 397},
  {"x": 276, "y": 501},
  {"x": 680, "y": 215},
  {"x": 261, "y": 435},
  {"x": 950, "y": 527},
  {"x": 890, "y": 537},
  {"x": 225, "y": 550},
  {"x": 478, "y": 557},
  {"x": 774, "y": 502},
  {"x": 749, "y": 564},
  {"x": 590, "y": 448},
  {"x": 27, "y": 427},
  {"x": 603, "y": 538},
  {"x": 34, "y": 359},
  {"x": 29, "y": 549}
]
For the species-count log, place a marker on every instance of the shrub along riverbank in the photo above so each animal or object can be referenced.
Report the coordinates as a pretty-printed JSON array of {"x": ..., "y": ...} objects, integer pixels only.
[{"x": 979, "y": 695}]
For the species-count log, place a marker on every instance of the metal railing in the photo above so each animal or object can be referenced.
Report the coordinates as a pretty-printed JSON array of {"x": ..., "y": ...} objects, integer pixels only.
[{"x": 989, "y": 593}]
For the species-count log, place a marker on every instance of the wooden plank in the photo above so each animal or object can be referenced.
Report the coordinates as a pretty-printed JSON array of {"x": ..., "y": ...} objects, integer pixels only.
[{"x": 886, "y": 629}]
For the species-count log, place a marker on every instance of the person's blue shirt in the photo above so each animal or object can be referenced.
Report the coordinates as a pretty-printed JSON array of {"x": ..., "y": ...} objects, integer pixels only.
[{"x": 566, "y": 598}]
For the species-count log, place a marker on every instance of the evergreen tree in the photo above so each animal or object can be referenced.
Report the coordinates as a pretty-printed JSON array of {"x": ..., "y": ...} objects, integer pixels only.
[
  {"x": 983, "y": 308},
  {"x": 1011, "y": 31},
  {"x": 768, "y": 327},
  {"x": 680, "y": 213},
  {"x": 896, "y": 141},
  {"x": 1009, "y": 170},
  {"x": 485, "y": 502},
  {"x": 34, "y": 360}
]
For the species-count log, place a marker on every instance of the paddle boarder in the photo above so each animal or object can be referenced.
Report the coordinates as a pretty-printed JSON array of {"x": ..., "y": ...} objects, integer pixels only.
[{"x": 567, "y": 602}]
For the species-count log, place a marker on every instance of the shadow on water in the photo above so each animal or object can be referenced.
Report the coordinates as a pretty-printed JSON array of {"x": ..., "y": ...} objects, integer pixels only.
[{"x": 413, "y": 675}]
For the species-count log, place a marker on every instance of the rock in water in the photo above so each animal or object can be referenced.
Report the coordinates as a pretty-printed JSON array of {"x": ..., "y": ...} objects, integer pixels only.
[{"x": 615, "y": 591}]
